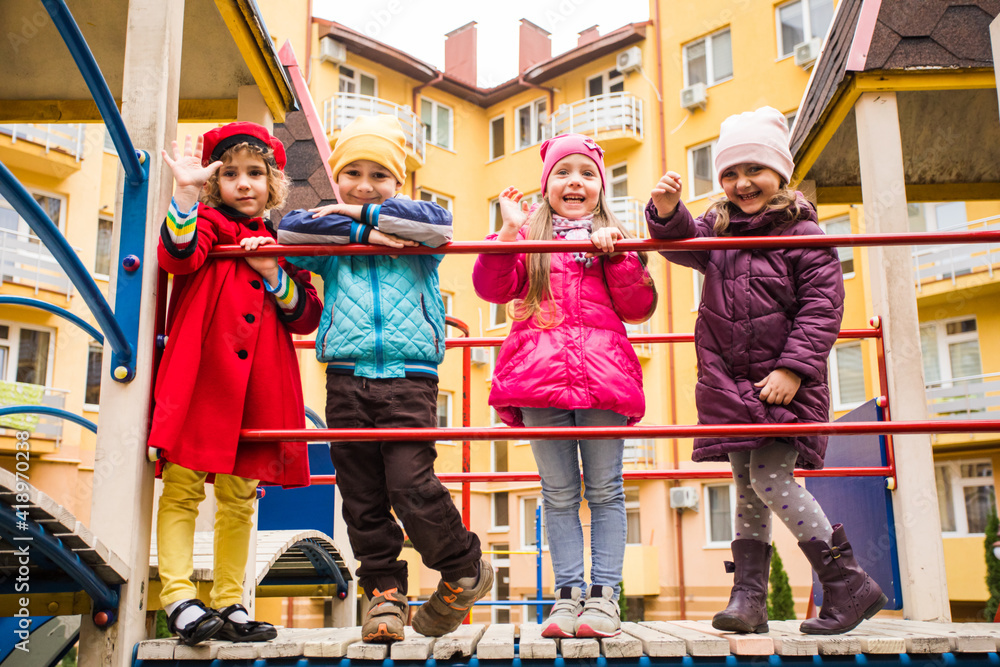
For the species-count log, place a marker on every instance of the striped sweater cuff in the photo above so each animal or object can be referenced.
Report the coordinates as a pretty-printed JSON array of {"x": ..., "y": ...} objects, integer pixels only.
[
  {"x": 181, "y": 226},
  {"x": 285, "y": 292}
]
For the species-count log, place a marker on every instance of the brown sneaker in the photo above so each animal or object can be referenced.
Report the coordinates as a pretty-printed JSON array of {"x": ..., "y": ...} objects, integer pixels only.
[
  {"x": 451, "y": 602},
  {"x": 385, "y": 618}
]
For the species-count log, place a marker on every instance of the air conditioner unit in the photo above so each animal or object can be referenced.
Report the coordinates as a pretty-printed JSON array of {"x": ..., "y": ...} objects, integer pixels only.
[
  {"x": 694, "y": 97},
  {"x": 684, "y": 498},
  {"x": 806, "y": 53},
  {"x": 480, "y": 355},
  {"x": 629, "y": 60},
  {"x": 332, "y": 51}
]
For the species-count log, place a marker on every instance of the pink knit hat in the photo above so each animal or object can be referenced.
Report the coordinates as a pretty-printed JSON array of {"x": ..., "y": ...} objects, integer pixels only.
[
  {"x": 557, "y": 148},
  {"x": 760, "y": 137}
]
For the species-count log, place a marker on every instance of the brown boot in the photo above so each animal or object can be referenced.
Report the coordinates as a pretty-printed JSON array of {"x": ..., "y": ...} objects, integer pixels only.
[
  {"x": 849, "y": 594},
  {"x": 747, "y": 610}
]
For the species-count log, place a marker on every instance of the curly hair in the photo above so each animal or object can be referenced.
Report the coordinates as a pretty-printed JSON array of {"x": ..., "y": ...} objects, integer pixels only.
[{"x": 277, "y": 182}]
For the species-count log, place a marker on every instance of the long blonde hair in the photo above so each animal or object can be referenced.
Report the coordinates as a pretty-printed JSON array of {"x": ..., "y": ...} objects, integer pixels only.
[
  {"x": 784, "y": 199},
  {"x": 538, "y": 302}
]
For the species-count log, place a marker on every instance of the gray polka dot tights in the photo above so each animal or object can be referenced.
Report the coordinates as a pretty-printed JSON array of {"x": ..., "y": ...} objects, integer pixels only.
[{"x": 765, "y": 485}]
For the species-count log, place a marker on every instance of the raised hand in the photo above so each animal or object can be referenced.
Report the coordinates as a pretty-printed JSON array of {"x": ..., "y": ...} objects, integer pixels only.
[
  {"x": 513, "y": 212},
  {"x": 666, "y": 193},
  {"x": 189, "y": 175},
  {"x": 604, "y": 239},
  {"x": 780, "y": 386}
]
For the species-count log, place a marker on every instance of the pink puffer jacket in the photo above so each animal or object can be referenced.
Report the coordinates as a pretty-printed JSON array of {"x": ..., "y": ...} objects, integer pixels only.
[{"x": 586, "y": 360}]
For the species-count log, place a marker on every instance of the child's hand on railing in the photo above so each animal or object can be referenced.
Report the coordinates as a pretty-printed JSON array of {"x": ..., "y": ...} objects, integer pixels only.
[
  {"x": 189, "y": 175},
  {"x": 267, "y": 267},
  {"x": 666, "y": 193},
  {"x": 604, "y": 239},
  {"x": 513, "y": 212},
  {"x": 375, "y": 237}
]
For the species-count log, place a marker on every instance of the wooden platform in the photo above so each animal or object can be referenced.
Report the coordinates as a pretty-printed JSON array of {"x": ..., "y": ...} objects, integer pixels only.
[{"x": 655, "y": 639}]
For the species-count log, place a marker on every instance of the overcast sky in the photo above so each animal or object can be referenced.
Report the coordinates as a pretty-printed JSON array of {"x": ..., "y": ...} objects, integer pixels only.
[{"x": 418, "y": 26}]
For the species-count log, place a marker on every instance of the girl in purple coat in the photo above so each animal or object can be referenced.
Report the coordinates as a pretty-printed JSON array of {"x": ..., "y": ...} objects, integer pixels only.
[
  {"x": 568, "y": 362},
  {"x": 766, "y": 324}
]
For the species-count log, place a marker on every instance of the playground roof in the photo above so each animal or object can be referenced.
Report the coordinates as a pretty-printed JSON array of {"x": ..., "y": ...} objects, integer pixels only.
[
  {"x": 937, "y": 58},
  {"x": 226, "y": 46}
]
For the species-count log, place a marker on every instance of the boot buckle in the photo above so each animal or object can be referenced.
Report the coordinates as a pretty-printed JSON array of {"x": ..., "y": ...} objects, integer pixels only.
[{"x": 835, "y": 551}]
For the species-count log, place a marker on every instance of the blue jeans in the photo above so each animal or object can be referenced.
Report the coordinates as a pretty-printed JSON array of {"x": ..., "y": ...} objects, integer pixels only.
[{"x": 559, "y": 466}]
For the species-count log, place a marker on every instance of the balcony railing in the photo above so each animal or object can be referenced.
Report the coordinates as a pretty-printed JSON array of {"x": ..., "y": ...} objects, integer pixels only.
[
  {"x": 40, "y": 425},
  {"x": 612, "y": 112},
  {"x": 65, "y": 137},
  {"x": 24, "y": 260},
  {"x": 970, "y": 397},
  {"x": 632, "y": 214},
  {"x": 342, "y": 108},
  {"x": 640, "y": 454},
  {"x": 947, "y": 262}
]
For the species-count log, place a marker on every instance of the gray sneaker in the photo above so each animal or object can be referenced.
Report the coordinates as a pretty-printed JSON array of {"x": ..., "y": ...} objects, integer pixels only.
[
  {"x": 561, "y": 622},
  {"x": 451, "y": 602},
  {"x": 599, "y": 617},
  {"x": 385, "y": 618}
]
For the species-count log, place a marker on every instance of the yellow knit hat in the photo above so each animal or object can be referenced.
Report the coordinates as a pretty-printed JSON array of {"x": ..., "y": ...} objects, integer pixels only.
[{"x": 376, "y": 138}]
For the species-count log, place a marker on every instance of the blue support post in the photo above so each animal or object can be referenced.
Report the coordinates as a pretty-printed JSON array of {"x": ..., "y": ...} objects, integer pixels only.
[
  {"x": 92, "y": 75},
  {"x": 538, "y": 561},
  {"x": 28, "y": 208},
  {"x": 55, "y": 310}
]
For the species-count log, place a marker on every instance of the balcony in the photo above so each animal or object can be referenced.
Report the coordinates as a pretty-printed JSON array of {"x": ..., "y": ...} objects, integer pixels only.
[
  {"x": 342, "y": 108},
  {"x": 613, "y": 119},
  {"x": 54, "y": 150},
  {"x": 938, "y": 263},
  {"x": 640, "y": 454},
  {"x": 42, "y": 426},
  {"x": 632, "y": 213},
  {"x": 24, "y": 260},
  {"x": 971, "y": 397}
]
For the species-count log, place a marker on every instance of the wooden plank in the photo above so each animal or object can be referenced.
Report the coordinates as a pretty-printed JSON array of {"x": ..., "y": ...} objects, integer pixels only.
[
  {"x": 993, "y": 630},
  {"x": 698, "y": 643},
  {"x": 914, "y": 642},
  {"x": 656, "y": 644},
  {"x": 961, "y": 638},
  {"x": 204, "y": 651},
  {"x": 621, "y": 646},
  {"x": 289, "y": 644},
  {"x": 459, "y": 644},
  {"x": 739, "y": 644},
  {"x": 825, "y": 644},
  {"x": 581, "y": 648},
  {"x": 333, "y": 644},
  {"x": 362, "y": 651},
  {"x": 63, "y": 518},
  {"x": 415, "y": 646},
  {"x": 533, "y": 646},
  {"x": 497, "y": 642},
  {"x": 156, "y": 649}
]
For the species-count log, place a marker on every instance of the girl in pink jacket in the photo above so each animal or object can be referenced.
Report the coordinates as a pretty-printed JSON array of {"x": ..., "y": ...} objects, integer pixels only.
[{"x": 568, "y": 362}]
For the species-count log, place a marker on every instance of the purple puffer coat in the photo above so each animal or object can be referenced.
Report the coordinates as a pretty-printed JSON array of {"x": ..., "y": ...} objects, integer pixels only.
[
  {"x": 586, "y": 360},
  {"x": 760, "y": 310}
]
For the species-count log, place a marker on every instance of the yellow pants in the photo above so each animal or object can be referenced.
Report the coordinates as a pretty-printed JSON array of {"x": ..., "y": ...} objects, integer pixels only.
[{"x": 183, "y": 491}]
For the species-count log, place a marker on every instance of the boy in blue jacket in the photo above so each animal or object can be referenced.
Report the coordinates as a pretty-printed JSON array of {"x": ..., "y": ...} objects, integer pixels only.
[{"x": 382, "y": 336}]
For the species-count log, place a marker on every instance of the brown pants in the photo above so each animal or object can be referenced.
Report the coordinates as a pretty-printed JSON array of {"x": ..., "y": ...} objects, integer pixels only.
[{"x": 376, "y": 476}]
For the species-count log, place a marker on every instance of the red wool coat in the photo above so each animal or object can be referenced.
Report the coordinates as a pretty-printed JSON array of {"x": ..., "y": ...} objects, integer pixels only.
[{"x": 229, "y": 362}]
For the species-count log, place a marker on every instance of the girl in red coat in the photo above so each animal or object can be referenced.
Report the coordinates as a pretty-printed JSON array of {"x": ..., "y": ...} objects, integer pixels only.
[{"x": 229, "y": 364}]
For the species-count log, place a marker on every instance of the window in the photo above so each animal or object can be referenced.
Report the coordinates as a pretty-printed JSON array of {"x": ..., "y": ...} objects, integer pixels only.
[
  {"x": 790, "y": 119},
  {"x": 34, "y": 354},
  {"x": 529, "y": 506},
  {"x": 847, "y": 376},
  {"x": 951, "y": 351},
  {"x": 709, "y": 60},
  {"x": 440, "y": 200},
  {"x": 501, "y": 582},
  {"x": 496, "y": 138},
  {"x": 498, "y": 315},
  {"x": 449, "y": 302},
  {"x": 839, "y": 226},
  {"x": 109, "y": 144},
  {"x": 444, "y": 402},
  {"x": 531, "y": 123},
  {"x": 501, "y": 510},
  {"x": 946, "y": 216},
  {"x": 437, "y": 122},
  {"x": 611, "y": 81},
  {"x": 633, "y": 534},
  {"x": 966, "y": 496},
  {"x": 498, "y": 458},
  {"x": 353, "y": 81},
  {"x": 92, "y": 394},
  {"x": 800, "y": 21},
  {"x": 698, "y": 282},
  {"x": 701, "y": 167},
  {"x": 720, "y": 499},
  {"x": 102, "y": 258},
  {"x": 52, "y": 205},
  {"x": 618, "y": 182}
]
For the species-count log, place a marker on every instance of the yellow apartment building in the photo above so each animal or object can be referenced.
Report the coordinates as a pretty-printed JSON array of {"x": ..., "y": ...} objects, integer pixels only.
[{"x": 653, "y": 94}]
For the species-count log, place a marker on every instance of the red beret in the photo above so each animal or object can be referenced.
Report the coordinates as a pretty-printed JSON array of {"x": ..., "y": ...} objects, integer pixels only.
[{"x": 221, "y": 139}]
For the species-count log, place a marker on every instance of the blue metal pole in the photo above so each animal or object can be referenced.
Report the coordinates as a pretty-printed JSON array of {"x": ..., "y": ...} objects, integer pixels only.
[
  {"x": 49, "y": 411},
  {"x": 538, "y": 562},
  {"x": 77, "y": 45},
  {"x": 28, "y": 208},
  {"x": 56, "y": 310}
]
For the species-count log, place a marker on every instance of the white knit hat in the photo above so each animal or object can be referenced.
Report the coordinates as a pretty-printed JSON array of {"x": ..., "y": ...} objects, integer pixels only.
[{"x": 760, "y": 137}]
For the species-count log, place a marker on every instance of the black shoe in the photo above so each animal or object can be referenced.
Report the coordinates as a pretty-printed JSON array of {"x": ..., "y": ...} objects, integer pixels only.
[
  {"x": 251, "y": 631},
  {"x": 197, "y": 631}
]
